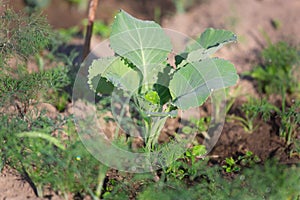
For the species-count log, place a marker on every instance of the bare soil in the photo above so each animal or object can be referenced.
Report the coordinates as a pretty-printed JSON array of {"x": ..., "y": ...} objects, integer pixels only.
[
  {"x": 253, "y": 22},
  {"x": 14, "y": 187}
]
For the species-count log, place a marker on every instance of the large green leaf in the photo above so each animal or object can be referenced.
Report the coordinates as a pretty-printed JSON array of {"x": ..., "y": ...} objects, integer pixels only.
[
  {"x": 116, "y": 71},
  {"x": 208, "y": 43},
  {"x": 144, "y": 43},
  {"x": 192, "y": 84},
  {"x": 214, "y": 37}
]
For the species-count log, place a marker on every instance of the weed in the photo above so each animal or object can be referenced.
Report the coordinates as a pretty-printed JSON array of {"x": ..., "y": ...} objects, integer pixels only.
[
  {"x": 248, "y": 159},
  {"x": 253, "y": 109},
  {"x": 290, "y": 123},
  {"x": 231, "y": 165},
  {"x": 189, "y": 165},
  {"x": 280, "y": 61},
  {"x": 276, "y": 73}
]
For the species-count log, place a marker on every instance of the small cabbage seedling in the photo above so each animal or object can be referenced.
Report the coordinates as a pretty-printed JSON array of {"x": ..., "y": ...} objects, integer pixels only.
[{"x": 158, "y": 89}]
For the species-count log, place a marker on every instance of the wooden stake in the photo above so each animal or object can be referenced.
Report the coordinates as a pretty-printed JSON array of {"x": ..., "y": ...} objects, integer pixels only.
[{"x": 93, "y": 4}]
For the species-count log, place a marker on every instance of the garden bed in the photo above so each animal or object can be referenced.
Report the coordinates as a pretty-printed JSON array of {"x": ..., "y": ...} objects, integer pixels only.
[{"x": 258, "y": 25}]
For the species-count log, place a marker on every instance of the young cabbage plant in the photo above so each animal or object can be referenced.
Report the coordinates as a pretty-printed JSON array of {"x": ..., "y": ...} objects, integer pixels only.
[{"x": 155, "y": 88}]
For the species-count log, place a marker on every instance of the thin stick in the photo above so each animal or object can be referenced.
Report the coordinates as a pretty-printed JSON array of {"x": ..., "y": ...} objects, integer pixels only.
[{"x": 89, "y": 29}]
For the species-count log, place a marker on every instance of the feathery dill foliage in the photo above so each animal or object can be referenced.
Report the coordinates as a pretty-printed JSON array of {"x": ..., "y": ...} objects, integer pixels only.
[
  {"x": 280, "y": 61},
  {"x": 270, "y": 181},
  {"x": 21, "y": 35},
  {"x": 31, "y": 86}
]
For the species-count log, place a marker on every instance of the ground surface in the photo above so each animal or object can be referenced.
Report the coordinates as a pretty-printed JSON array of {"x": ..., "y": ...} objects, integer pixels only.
[{"x": 253, "y": 22}]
